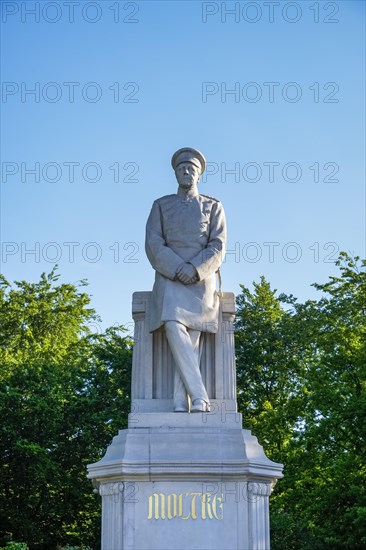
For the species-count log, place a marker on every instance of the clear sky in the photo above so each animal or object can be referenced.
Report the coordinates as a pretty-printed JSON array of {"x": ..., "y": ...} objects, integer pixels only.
[{"x": 271, "y": 92}]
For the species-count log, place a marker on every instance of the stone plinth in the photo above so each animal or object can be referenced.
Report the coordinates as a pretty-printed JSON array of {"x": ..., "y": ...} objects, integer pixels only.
[
  {"x": 153, "y": 364},
  {"x": 184, "y": 481}
]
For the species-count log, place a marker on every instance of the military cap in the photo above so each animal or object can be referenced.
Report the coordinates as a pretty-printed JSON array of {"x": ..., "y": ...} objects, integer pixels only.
[{"x": 188, "y": 154}]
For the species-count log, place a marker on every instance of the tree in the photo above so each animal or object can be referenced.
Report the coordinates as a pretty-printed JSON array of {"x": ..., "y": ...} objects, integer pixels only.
[
  {"x": 301, "y": 381},
  {"x": 335, "y": 436},
  {"x": 64, "y": 392},
  {"x": 269, "y": 367}
]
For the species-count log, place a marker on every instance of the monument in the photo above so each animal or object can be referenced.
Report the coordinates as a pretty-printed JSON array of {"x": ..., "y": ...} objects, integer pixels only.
[{"x": 185, "y": 475}]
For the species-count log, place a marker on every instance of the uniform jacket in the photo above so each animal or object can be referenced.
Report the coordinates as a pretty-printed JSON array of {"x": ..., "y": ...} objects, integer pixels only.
[{"x": 181, "y": 230}]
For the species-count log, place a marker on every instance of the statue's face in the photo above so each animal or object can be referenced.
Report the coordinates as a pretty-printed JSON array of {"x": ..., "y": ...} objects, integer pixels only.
[{"x": 187, "y": 175}]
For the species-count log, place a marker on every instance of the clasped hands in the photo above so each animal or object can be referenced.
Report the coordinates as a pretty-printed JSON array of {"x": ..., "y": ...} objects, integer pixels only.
[{"x": 187, "y": 274}]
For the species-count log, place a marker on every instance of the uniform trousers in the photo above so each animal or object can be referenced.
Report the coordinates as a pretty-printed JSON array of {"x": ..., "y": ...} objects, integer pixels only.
[{"x": 185, "y": 347}]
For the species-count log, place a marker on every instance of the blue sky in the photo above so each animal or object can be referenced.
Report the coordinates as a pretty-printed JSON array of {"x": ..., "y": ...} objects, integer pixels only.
[{"x": 125, "y": 84}]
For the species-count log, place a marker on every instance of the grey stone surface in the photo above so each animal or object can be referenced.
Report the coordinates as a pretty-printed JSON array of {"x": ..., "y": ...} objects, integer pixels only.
[
  {"x": 171, "y": 452},
  {"x": 171, "y": 446},
  {"x": 225, "y": 418},
  {"x": 184, "y": 481},
  {"x": 185, "y": 244},
  {"x": 185, "y": 485},
  {"x": 201, "y": 514},
  {"x": 153, "y": 364},
  {"x": 222, "y": 406}
]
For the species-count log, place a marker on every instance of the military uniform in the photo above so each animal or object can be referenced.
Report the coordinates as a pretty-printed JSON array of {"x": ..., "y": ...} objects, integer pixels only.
[{"x": 184, "y": 230}]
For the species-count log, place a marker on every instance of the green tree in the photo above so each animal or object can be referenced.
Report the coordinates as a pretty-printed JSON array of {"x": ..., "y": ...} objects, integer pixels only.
[
  {"x": 270, "y": 364},
  {"x": 334, "y": 436},
  {"x": 64, "y": 392},
  {"x": 301, "y": 382}
]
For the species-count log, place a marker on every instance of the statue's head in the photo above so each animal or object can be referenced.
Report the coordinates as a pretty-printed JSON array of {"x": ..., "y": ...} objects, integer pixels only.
[{"x": 188, "y": 164}]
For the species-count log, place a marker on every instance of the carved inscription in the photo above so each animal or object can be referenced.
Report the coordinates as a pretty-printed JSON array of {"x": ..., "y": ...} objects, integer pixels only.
[{"x": 186, "y": 506}]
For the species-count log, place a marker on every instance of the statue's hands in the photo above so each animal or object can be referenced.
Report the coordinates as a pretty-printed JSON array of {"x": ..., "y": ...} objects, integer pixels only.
[{"x": 187, "y": 274}]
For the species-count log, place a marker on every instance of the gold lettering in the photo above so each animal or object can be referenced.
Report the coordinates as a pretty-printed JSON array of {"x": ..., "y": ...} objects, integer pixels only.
[
  {"x": 170, "y": 498},
  {"x": 181, "y": 506},
  {"x": 149, "y": 513},
  {"x": 203, "y": 506},
  {"x": 207, "y": 497},
  {"x": 214, "y": 500},
  {"x": 193, "y": 505},
  {"x": 161, "y": 506}
]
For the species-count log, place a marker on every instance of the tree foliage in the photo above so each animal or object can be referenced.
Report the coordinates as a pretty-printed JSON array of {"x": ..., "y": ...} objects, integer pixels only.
[
  {"x": 301, "y": 381},
  {"x": 64, "y": 392}
]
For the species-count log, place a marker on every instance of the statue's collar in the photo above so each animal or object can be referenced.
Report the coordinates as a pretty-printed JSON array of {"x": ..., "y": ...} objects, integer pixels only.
[{"x": 189, "y": 194}]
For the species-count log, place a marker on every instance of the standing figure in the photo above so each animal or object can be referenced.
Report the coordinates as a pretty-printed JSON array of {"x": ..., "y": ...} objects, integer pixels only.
[{"x": 185, "y": 244}]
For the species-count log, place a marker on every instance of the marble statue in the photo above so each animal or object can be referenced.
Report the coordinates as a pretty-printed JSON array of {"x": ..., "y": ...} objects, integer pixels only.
[
  {"x": 194, "y": 481},
  {"x": 185, "y": 244}
]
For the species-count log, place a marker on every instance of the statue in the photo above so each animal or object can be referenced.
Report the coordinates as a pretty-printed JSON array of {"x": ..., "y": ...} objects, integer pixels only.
[
  {"x": 185, "y": 244},
  {"x": 167, "y": 457}
]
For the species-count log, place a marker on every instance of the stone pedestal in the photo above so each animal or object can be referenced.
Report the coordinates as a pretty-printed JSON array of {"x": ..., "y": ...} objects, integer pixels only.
[
  {"x": 153, "y": 364},
  {"x": 180, "y": 481},
  {"x": 185, "y": 481}
]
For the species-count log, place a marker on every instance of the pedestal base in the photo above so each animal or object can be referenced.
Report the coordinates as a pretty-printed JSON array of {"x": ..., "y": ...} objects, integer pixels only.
[{"x": 185, "y": 481}]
